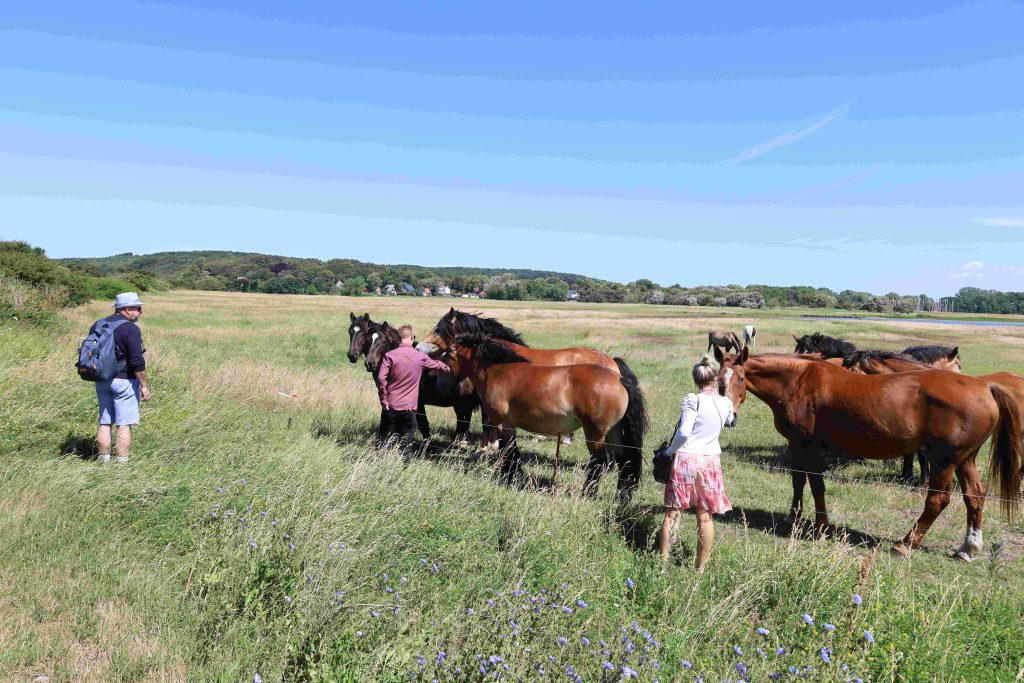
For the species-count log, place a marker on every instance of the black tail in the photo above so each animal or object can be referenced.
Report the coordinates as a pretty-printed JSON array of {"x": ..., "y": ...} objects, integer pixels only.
[{"x": 631, "y": 430}]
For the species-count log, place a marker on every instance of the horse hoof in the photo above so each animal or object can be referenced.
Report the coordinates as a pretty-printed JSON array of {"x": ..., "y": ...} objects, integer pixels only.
[
  {"x": 900, "y": 550},
  {"x": 961, "y": 556},
  {"x": 788, "y": 520}
]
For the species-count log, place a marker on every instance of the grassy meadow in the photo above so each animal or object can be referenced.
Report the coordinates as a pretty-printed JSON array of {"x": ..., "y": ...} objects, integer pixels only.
[{"x": 257, "y": 535}]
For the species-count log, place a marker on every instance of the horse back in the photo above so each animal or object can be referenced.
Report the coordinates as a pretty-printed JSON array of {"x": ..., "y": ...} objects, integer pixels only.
[{"x": 573, "y": 355}]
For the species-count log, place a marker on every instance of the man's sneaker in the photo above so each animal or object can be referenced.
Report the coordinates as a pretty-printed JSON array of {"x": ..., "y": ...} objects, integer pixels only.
[
  {"x": 103, "y": 458},
  {"x": 122, "y": 459}
]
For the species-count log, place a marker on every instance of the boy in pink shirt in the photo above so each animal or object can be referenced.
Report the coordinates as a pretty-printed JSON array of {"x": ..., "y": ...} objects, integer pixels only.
[{"x": 399, "y": 382}]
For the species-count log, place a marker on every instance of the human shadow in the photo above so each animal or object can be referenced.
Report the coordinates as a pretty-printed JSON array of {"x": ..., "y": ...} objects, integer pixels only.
[{"x": 82, "y": 447}]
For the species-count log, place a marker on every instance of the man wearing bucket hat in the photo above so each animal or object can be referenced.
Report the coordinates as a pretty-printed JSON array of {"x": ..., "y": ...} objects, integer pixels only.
[{"x": 119, "y": 397}]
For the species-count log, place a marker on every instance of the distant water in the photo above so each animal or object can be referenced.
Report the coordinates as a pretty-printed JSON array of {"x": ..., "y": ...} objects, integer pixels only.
[{"x": 986, "y": 323}]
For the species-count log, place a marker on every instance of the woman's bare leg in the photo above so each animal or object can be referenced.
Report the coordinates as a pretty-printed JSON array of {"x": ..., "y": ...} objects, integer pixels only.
[
  {"x": 668, "y": 532},
  {"x": 705, "y": 537}
]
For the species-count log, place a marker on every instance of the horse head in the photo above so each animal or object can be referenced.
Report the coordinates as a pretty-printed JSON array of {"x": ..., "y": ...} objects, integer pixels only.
[
  {"x": 383, "y": 338},
  {"x": 732, "y": 380},
  {"x": 359, "y": 331}
]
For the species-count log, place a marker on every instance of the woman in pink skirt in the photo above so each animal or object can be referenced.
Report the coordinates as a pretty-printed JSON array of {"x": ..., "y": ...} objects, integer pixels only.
[{"x": 696, "y": 479}]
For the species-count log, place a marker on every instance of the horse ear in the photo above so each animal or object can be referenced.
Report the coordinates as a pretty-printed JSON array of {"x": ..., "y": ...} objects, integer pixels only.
[
  {"x": 451, "y": 311},
  {"x": 351, "y": 316},
  {"x": 954, "y": 353},
  {"x": 718, "y": 354},
  {"x": 796, "y": 339},
  {"x": 744, "y": 355}
]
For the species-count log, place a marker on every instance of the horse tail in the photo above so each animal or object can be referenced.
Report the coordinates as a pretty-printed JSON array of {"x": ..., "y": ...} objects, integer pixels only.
[
  {"x": 634, "y": 423},
  {"x": 1007, "y": 450}
]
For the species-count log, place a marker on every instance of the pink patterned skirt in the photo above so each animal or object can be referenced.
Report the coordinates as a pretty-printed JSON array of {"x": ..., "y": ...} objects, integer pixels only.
[{"x": 696, "y": 481}]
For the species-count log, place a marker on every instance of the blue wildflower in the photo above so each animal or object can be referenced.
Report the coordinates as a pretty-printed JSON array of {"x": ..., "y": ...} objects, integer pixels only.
[
  {"x": 495, "y": 659},
  {"x": 628, "y": 672},
  {"x": 291, "y": 547},
  {"x": 256, "y": 678},
  {"x": 434, "y": 568},
  {"x": 780, "y": 651},
  {"x": 252, "y": 544},
  {"x": 567, "y": 610},
  {"x": 763, "y": 631},
  {"x": 829, "y": 627},
  {"x": 374, "y": 613},
  {"x": 423, "y": 561},
  {"x": 581, "y": 604},
  {"x": 687, "y": 665},
  {"x": 629, "y": 584},
  {"x": 585, "y": 640},
  {"x": 562, "y": 641},
  {"x": 737, "y": 650},
  {"x": 287, "y": 600},
  {"x": 441, "y": 657},
  {"x": 422, "y": 660},
  {"x": 825, "y": 653},
  {"x": 868, "y": 637},
  {"x": 263, "y": 514},
  {"x": 608, "y": 666},
  {"x": 470, "y": 611},
  {"x": 808, "y": 619}
]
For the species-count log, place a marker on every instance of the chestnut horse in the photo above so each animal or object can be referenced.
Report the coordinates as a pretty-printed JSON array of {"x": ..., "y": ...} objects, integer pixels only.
[
  {"x": 555, "y": 400},
  {"x": 455, "y": 323},
  {"x": 885, "y": 362},
  {"x": 887, "y": 416},
  {"x": 435, "y": 390}
]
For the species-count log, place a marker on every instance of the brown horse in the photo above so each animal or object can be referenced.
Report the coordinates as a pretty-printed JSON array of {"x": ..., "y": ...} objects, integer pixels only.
[
  {"x": 887, "y": 416},
  {"x": 723, "y": 339},
  {"x": 886, "y": 362},
  {"x": 557, "y": 400},
  {"x": 456, "y": 322}
]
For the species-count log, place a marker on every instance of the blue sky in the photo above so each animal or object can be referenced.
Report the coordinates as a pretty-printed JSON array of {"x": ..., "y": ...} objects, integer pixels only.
[{"x": 874, "y": 147}]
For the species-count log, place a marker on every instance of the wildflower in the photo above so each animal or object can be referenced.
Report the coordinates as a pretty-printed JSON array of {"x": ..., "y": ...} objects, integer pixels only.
[
  {"x": 286, "y": 537},
  {"x": 857, "y": 600},
  {"x": 608, "y": 666},
  {"x": 403, "y": 580},
  {"x": 567, "y": 610},
  {"x": 829, "y": 627},
  {"x": 470, "y": 611},
  {"x": 808, "y": 620},
  {"x": 490, "y": 602},
  {"x": 687, "y": 665},
  {"x": 760, "y": 651},
  {"x": 395, "y": 611},
  {"x": 287, "y": 600},
  {"x": 434, "y": 568},
  {"x": 629, "y": 584},
  {"x": 763, "y": 631},
  {"x": 291, "y": 547},
  {"x": 374, "y": 613},
  {"x": 398, "y": 597},
  {"x": 562, "y": 641},
  {"x": 327, "y": 494},
  {"x": 737, "y": 650},
  {"x": 256, "y": 678},
  {"x": 868, "y": 637},
  {"x": 780, "y": 651},
  {"x": 359, "y": 634},
  {"x": 274, "y": 522},
  {"x": 421, "y": 660},
  {"x": 441, "y": 656},
  {"x": 628, "y": 672},
  {"x": 423, "y": 561},
  {"x": 252, "y": 544},
  {"x": 581, "y": 604},
  {"x": 219, "y": 490},
  {"x": 825, "y": 653},
  {"x": 244, "y": 481},
  {"x": 585, "y": 640},
  {"x": 263, "y": 514},
  {"x": 495, "y": 659}
]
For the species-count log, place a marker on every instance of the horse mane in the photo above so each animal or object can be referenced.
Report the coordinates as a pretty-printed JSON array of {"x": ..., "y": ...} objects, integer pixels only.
[
  {"x": 488, "y": 350},
  {"x": 474, "y": 323},
  {"x": 928, "y": 354},
  {"x": 830, "y": 347},
  {"x": 392, "y": 339},
  {"x": 862, "y": 358}
]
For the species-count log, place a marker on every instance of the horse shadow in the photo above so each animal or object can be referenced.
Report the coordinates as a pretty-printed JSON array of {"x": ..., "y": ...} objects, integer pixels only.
[{"x": 81, "y": 447}]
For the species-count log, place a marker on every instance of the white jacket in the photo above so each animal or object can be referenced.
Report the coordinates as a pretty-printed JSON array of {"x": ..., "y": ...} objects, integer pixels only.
[{"x": 700, "y": 423}]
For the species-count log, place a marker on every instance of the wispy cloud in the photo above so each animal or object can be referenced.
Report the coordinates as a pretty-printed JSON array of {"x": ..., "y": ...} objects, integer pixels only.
[
  {"x": 1002, "y": 221},
  {"x": 972, "y": 270},
  {"x": 790, "y": 137}
]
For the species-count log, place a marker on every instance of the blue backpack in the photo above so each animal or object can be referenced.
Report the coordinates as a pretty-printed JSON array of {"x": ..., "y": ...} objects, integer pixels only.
[{"x": 97, "y": 361}]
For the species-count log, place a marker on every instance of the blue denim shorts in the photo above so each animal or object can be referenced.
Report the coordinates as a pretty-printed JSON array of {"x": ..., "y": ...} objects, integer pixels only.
[{"x": 119, "y": 401}]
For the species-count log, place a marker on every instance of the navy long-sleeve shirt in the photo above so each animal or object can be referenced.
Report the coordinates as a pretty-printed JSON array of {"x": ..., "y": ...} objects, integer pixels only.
[{"x": 128, "y": 348}]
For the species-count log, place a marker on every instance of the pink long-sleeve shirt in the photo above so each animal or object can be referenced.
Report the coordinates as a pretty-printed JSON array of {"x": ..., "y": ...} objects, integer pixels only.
[{"x": 399, "y": 377}]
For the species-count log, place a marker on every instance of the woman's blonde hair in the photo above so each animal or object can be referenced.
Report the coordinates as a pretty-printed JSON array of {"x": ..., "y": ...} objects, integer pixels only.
[{"x": 705, "y": 371}]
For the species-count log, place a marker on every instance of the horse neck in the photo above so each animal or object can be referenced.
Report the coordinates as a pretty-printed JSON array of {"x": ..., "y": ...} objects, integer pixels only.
[
  {"x": 769, "y": 378},
  {"x": 896, "y": 365}
]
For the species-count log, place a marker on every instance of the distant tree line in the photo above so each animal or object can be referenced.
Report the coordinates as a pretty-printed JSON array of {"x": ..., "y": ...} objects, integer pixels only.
[{"x": 245, "y": 272}]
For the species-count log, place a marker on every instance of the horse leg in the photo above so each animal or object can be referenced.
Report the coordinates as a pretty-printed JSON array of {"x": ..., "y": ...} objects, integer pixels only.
[
  {"x": 463, "y": 414},
  {"x": 598, "y": 464},
  {"x": 922, "y": 460},
  {"x": 799, "y": 474},
  {"x": 554, "y": 468},
  {"x": 629, "y": 474},
  {"x": 974, "y": 498},
  {"x": 509, "y": 449},
  {"x": 818, "y": 492},
  {"x": 939, "y": 485},
  {"x": 907, "y": 474}
]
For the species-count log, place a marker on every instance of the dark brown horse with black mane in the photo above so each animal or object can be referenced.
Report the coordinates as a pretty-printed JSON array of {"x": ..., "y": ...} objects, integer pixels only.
[
  {"x": 553, "y": 400},
  {"x": 883, "y": 417},
  {"x": 373, "y": 340},
  {"x": 828, "y": 347},
  {"x": 456, "y": 322}
]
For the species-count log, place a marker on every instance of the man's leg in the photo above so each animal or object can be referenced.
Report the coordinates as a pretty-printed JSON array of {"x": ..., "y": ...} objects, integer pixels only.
[
  {"x": 124, "y": 442},
  {"x": 103, "y": 443},
  {"x": 406, "y": 428},
  {"x": 106, "y": 418}
]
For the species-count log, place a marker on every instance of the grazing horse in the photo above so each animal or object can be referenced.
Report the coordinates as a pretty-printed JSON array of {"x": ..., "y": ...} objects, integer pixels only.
[
  {"x": 749, "y": 335},
  {"x": 888, "y": 416},
  {"x": 938, "y": 357},
  {"x": 723, "y": 339},
  {"x": 828, "y": 347},
  {"x": 557, "y": 400},
  {"x": 436, "y": 389}
]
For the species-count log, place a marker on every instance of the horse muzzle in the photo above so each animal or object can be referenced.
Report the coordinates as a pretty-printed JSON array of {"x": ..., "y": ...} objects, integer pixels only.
[
  {"x": 352, "y": 358},
  {"x": 731, "y": 422}
]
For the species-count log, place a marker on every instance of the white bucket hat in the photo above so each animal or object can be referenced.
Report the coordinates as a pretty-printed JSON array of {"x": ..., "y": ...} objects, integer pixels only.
[{"x": 126, "y": 299}]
